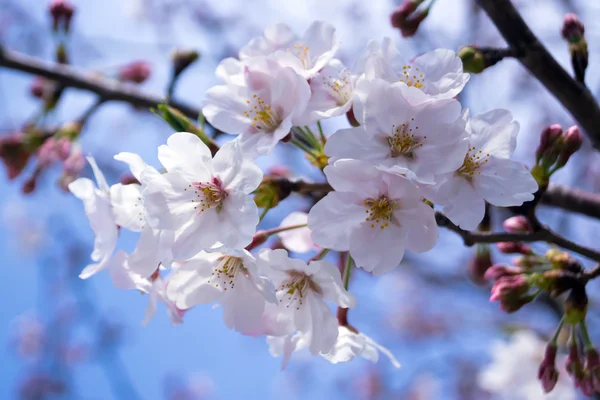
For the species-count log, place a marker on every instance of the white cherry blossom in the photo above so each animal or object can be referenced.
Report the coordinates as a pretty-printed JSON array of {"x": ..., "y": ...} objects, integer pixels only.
[
  {"x": 310, "y": 53},
  {"x": 302, "y": 291},
  {"x": 154, "y": 245},
  {"x": 438, "y": 73},
  {"x": 373, "y": 214},
  {"x": 205, "y": 200},
  {"x": 154, "y": 286},
  {"x": 351, "y": 344},
  {"x": 404, "y": 132},
  {"x": 332, "y": 91},
  {"x": 231, "y": 279},
  {"x": 297, "y": 240},
  {"x": 262, "y": 109},
  {"x": 512, "y": 374},
  {"x": 487, "y": 172},
  {"x": 97, "y": 205}
]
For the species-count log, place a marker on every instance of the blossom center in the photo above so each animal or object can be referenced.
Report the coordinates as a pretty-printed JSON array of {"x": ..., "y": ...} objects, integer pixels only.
[
  {"x": 473, "y": 162},
  {"x": 412, "y": 76},
  {"x": 210, "y": 195},
  {"x": 263, "y": 117},
  {"x": 295, "y": 287},
  {"x": 225, "y": 272},
  {"x": 404, "y": 142},
  {"x": 301, "y": 52},
  {"x": 339, "y": 87},
  {"x": 379, "y": 211}
]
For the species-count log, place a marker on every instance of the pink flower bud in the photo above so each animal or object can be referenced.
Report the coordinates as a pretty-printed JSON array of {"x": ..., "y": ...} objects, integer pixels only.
[
  {"x": 593, "y": 367},
  {"x": 498, "y": 271},
  {"x": 136, "y": 72},
  {"x": 407, "y": 19},
  {"x": 547, "y": 139},
  {"x": 279, "y": 171},
  {"x": 573, "y": 365},
  {"x": 511, "y": 292},
  {"x": 61, "y": 12},
  {"x": 572, "y": 141},
  {"x": 514, "y": 247},
  {"x": 75, "y": 163},
  {"x": 547, "y": 372},
  {"x": 479, "y": 264},
  {"x": 38, "y": 87},
  {"x": 572, "y": 29},
  {"x": 517, "y": 224},
  {"x": 47, "y": 153}
]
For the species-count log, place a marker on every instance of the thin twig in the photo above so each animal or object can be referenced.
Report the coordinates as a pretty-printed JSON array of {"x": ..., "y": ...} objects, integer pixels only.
[
  {"x": 107, "y": 89},
  {"x": 574, "y": 200},
  {"x": 573, "y": 95}
]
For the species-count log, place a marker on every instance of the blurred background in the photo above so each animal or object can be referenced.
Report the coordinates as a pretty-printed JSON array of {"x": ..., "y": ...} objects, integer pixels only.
[{"x": 62, "y": 337}]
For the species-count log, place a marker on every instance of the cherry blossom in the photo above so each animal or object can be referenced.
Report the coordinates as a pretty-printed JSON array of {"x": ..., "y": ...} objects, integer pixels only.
[
  {"x": 437, "y": 73},
  {"x": 262, "y": 109},
  {"x": 487, "y": 172},
  {"x": 373, "y": 214},
  {"x": 231, "y": 279},
  {"x": 204, "y": 200},
  {"x": 97, "y": 205},
  {"x": 302, "y": 291},
  {"x": 351, "y": 344},
  {"x": 404, "y": 132},
  {"x": 312, "y": 52},
  {"x": 276, "y": 37}
]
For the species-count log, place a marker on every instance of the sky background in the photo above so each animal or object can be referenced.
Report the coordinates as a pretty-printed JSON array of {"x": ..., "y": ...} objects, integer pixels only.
[{"x": 437, "y": 323}]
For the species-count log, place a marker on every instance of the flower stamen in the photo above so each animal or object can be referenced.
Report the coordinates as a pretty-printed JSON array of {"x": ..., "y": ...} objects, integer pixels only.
[
  {"x": 403, "y": 141},
  {"x": 412, "y": 78},
  {"x": 474, "y": 159},
  {"x": 209, "y": 194},
  {"x": 263, "y": 117},
  {"x": 379, "y": 211}
]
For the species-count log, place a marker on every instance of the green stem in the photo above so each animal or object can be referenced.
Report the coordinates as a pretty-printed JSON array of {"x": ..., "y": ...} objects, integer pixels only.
[
  {"x": 323, "y": 138},
  {"x": 558, "y": 329},
  {"x": 586, "y": 336},
  {"x": 320, "y": 255},
  {"x": 347, "y": 270}
]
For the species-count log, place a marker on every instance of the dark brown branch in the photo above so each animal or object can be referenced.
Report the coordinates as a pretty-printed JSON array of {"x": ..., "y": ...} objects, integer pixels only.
[
  {"x": 573, "y": 95},
  {"x": 574, "y": 200},
  {"x": 106, "y": 89},
  {"x": 542, "y": 235}
]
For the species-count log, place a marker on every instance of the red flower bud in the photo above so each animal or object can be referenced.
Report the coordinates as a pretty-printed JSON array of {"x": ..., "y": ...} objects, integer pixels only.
[
  {"x": 517, "y": 224},
  {"x": 498, "y": 271},
  {"x": 547, "y": 139},
  {"x": 511, "y": 292},
  {"x": 547, "y": 372},
  {"x": 572, "y": 28},
  {"x": 407, "y": 19},
  {"x": 514, "y": 247},
  {"x": 137, "y": 72},
  {"x": 572, "y": 141},
  {"x": 61, "y": 12}
]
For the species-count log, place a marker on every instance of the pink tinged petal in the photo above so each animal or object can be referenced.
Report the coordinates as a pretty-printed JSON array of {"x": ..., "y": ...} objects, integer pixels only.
[
  {"x": 494, "y": 132},
  {"x": 127, "y": 206},
  {"x": 318, "y": 324},
  {"x": 202, "y": 233},
  {"x": 356, "y": 143},
  {"x": 422, "y": 228},
  {"x": 329, "y": 279},
  {"x": 505, "y": 183},
  {"x": 378, "y": 250},
  {"x": 290, "y": 94},
  {"x": 243, "y": 306},
  {"x": 443, "y": 70},
  {"x": 262, "y": 143},
  {"x": 236, "y": 171},
  {"x": 136, "y": 164},
  {"x": 150, "y": 308},
  {"x": 171, "y": 201},
  {"x": 153, "y": 247},
  {"x": 186, "y": 153},
  {"x": 230, "y": 70},
  {"x": 236, "y": 224},
  {"x": 100, "y": 180},
  {"x": 296, "y": 240},
  {"x": 189, "y": 284},
  {"x": 467, "y": 208},
  {"x": 332, "y": 219}
]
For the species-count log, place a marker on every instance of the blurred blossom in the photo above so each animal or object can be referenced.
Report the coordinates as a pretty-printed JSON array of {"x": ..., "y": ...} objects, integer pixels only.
[
  {"x": 512, "y": 374},
  {"x": 296, "y": 240},
  {"x": 28, "y": 335},
  {"x": 424, "y": 387},
  {"x": 41, "y": 386}
]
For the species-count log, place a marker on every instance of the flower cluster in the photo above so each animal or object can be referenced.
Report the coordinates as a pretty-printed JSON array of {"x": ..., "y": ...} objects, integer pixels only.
[{"x": 411, "y": 147}]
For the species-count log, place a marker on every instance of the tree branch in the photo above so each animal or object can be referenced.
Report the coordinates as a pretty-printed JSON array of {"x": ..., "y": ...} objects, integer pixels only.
[
  {"x": 573, "y": 95},
  {"x": 544, "y": 234},
  {"x": 106, "y": 89},
  {"x": 574, "y": 200}
]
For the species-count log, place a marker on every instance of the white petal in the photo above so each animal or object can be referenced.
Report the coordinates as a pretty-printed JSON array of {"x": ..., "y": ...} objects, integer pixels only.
[{"x": 127, "y": 206}]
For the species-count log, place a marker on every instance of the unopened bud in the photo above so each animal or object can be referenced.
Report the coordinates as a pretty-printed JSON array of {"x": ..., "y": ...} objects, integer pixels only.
[
  {"x": 572, "y": 28},
  {"x": 14, "y": 154},
  {"x": 279, "y": 171},
  {"x": 572, "y": 141},
  {"x": 259, "y": 238},
  {"x": 573, "y": 364},
  {"x": 38, "y": 87},
  {"x": 527, "y": 262},
  {"x": 512, "y": 292},
  {"x": 547, "y": 140},
  {"x": 514, "y": 247},
  {"x": 497, "y": 271},
  {"x": 61, "y": 12},
  {"x": 593, "y": 367},
  {"x": 407, "y": 18},
  {"x": 517, "y": 224},
  {"x": 271, "y": 191},
  {"x": 136, "y": 72},
  {"x": 473, "y": 59},
  {"x": 480, "y": 264},
  {"x": 182, "y": 59},
  {"x": 547, "y": 372}
]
